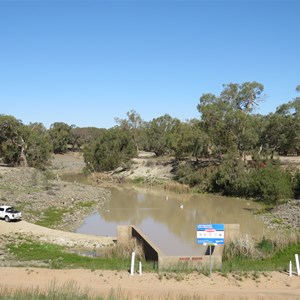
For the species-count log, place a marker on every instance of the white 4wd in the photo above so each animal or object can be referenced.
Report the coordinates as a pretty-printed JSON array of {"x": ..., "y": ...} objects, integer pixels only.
[{"x": 9, "y": 213}]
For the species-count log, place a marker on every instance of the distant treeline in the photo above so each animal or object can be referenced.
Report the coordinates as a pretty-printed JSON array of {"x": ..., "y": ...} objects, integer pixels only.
[{"x": 227, "y": 130}]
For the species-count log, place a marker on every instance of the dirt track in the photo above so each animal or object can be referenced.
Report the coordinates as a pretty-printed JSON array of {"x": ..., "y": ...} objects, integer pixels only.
[
  {"x": 153, "y": 286},
  {"x": 59, "y": 237}
]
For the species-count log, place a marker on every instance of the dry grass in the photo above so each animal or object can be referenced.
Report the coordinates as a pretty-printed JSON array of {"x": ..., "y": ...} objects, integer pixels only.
[
  {"x": 122, "y": 250},
  {"x": 177, "y": 187},
  {"x": 243, "y": 246}
]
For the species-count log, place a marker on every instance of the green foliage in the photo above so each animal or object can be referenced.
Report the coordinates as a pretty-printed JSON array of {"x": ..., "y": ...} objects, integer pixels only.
[
  {"x": 82, "y": 136},
  {"x": 11, "y": 139},
  {"x": 60, "y": 134},
  {"x": 158, "y": 134},
  {"x": 230, "y": 179},
  {"x": 267, "y": 182},
  {"x": 296, "y": 184},
  {"x": 227, "y": 118},
  {"x": 20, "y": 144},
  {"x": 136, "y": 127},
  {"x": 271, "y": 183},
  {"x": 39, "y": 146},
  {"x": 266, "y": 245},
  {"x": 113, "y": 148},
  {"x": 195, "y": 177}
]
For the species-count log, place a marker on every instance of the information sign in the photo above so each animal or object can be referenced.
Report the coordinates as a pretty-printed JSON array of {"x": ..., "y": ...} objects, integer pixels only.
[{"x": 210, "y": 234}]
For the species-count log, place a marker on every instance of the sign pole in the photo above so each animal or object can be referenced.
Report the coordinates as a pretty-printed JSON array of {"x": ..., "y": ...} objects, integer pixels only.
[
  {"x": 210, "y": 261},
  {"x": 211, "y": 235}
]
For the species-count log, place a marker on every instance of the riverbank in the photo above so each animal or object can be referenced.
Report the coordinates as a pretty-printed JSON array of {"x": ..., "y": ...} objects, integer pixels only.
[{"x": 35, "y": 193}]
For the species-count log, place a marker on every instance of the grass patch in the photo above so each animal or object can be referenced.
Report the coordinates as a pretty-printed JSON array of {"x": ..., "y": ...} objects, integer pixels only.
[
  {"x": 52, "y": 216},
  {"x": 86, "y": 204},
  {"x": 58, "y": 258},
  {"x": 72, "y": 291},
  {"x": 279, "y": 261}
]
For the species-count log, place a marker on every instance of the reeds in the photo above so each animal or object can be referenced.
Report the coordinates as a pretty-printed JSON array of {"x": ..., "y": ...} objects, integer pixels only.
[{"x": 122, "y": 250}]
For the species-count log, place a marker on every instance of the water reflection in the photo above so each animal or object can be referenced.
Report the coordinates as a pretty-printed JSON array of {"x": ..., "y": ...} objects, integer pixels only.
[{"x": 161, "y": 218}]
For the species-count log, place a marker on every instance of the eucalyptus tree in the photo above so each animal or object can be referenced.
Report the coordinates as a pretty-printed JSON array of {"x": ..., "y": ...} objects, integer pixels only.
[
  {"x": 158, "y": 134},
  {"x": 114, "y": 147},
  {"x": 83, "y": 135},
  {"x": 12, "y": 143},
  {"x": 284, "y": 128},
  {"x": 39, "y": 146},
  {"x": 25, "y": 145},
  {"x": 227, "y": 120},
  {"x": 136, "y": 126},
  {"x": 61, "y": 137},
  {"x": 188, "y": 139}
]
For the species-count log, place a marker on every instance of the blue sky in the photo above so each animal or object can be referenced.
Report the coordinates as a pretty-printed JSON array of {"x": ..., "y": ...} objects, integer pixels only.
[{"x": 88, "y": 62}]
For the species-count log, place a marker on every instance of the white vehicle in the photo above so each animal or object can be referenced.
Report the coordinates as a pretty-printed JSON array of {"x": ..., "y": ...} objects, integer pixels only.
[{"x": 9, "y": 213}]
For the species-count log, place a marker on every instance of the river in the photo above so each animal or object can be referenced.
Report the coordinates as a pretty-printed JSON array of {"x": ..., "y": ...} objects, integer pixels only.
[{"x": 170, "y": 220}]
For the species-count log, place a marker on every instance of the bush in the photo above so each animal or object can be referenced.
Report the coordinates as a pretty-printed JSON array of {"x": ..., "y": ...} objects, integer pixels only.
[
  {"x": 296, "y": 185},
  {"x": 231, "y": 179},
  {"x": 271, "y": 184},
  {"x": 267, "y": 182}
]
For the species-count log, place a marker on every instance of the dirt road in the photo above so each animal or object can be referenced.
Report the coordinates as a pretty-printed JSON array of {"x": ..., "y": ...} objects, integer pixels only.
[{"x": 154, "y": 286}]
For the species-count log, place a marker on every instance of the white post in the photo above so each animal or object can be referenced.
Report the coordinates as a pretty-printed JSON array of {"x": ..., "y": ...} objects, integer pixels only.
[
  {"x": 132, "y": 263},
  {"x": 140, "y": 268},
  {"x": 291, "y": 270},
  {"x": 297, "y": 264}
]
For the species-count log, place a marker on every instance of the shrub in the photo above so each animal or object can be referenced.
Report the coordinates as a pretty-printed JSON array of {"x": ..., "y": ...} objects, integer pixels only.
[
  {"x": 271, "y": 184},
  {"x": 230, "y": 179}
]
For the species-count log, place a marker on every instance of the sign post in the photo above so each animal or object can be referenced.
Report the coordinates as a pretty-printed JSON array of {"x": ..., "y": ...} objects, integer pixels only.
[{"x": 210, "y": 235}]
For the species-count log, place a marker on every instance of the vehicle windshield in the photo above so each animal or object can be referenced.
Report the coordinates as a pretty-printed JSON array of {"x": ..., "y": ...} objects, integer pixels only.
[{"x": 11, "y": 210}]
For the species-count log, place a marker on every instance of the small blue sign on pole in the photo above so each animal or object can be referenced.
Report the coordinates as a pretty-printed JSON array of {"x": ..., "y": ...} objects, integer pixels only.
[{"x": 210, "y": 234}]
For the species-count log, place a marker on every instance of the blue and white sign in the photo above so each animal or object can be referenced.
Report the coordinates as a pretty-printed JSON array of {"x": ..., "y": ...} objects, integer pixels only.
[{"x": 210, "y": 234}]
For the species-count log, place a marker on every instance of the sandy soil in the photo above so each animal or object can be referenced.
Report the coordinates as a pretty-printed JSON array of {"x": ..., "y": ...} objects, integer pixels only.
[
  {"x": 153, "y": 286},
  {"x": 59, "y": 237}
]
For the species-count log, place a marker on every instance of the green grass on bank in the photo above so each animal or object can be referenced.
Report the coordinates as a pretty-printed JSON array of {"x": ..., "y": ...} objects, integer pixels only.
[
  {"x": 57, "y": 257},
  {"x": 279, "y": 261},
  {"x": 52, "y": 216}
]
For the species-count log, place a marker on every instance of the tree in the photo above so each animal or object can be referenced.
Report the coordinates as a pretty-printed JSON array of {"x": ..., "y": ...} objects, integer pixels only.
[
  {"x": 113, "y": 148},
  {"x": 26, "y": 145},
  {"x": 157, "y": 132},
  {"x": 227, "y": 120},
  {"x": 60, "y": 134},
  {"x": 187, "y": 138},
  {"x": 245, "y": 96},
  {"x": 81, "y": 136},
  {"x": 12, "y": 144},
  {"x": 135, "y": 125},
  {"x": 39, "y": 145}
]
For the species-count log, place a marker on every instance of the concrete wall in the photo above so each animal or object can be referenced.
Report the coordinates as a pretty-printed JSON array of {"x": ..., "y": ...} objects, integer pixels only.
[
  {"x": 153, "y": 253},
  {"x": 200, "y": 263}
]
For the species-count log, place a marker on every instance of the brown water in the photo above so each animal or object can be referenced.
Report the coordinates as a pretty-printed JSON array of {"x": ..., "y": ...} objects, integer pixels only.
[{"x": 169, "y": 220}]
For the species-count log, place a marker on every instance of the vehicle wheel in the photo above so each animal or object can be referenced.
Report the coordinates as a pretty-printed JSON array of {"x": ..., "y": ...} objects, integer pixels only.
[{"x": 7, "y": 219}]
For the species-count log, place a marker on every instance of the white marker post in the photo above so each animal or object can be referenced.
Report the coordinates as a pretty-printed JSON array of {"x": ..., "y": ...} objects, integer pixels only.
[
  {"x": 290, "y": 268},
  {"x": 297, "y": 264},
  {"x": 140, "y": 268},
  {"x": 132, "y": 263}
]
